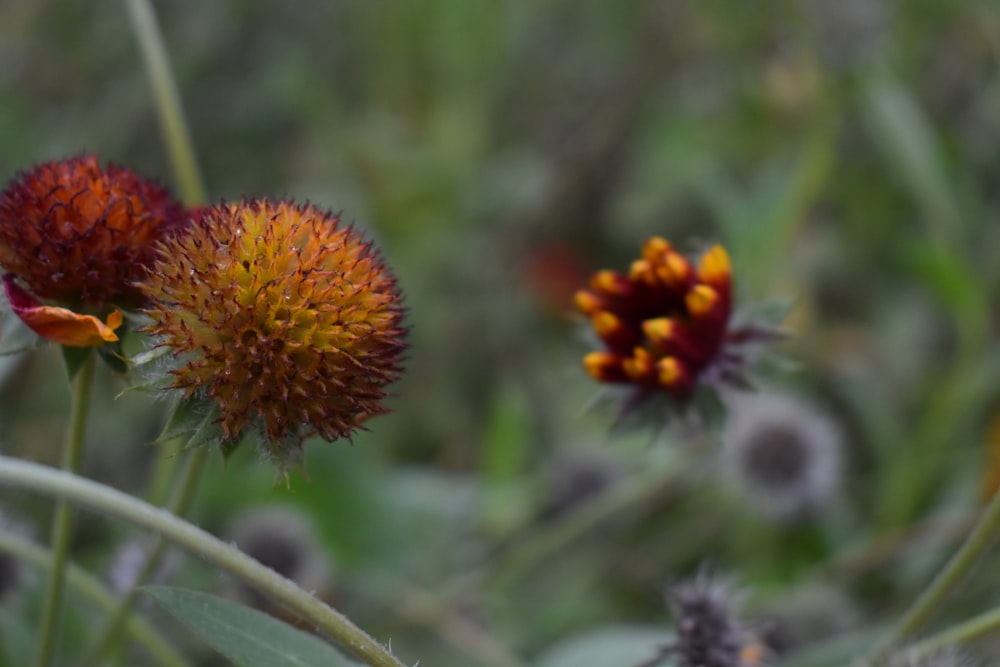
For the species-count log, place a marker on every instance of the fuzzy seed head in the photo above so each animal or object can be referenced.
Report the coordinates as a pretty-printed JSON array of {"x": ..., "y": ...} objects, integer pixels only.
[
  {"x": 784, "y": 454},
  {"x": 288, "y": 319},
  {"x": 78, "y": 233}
]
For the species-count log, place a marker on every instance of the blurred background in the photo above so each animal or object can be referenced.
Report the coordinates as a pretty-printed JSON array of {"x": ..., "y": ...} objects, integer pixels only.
[{"x": 844, "y": 151}]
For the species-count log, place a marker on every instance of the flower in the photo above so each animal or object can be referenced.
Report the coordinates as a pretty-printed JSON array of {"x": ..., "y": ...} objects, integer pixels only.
[
  {"x": 77, "y": 233},
  {"x": 60, "y": 325},
  {"x": 666, "y": 326},
  {"x": 785, "y": 454},
  {"x": 288, "y": 320},
  {"x": 708, "y": 631}
]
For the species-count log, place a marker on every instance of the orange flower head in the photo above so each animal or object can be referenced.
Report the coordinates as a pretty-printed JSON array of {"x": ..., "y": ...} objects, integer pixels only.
[
  {"x": 81, "y": 234},
  {"x": 288, "y": 319},
  {"x": 665, "y": 326}
]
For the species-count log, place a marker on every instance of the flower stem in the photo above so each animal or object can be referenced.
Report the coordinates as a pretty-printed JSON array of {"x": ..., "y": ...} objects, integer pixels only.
[
  {"x": 92, "y": 588},
  {"x": 178, "y": 506},
  {"x": 176, "y": 135},
  {"x": 978, "y": 541},
  {"x": 962, "y": 633},
  {"x": 72, "y": 455},
  {"x": 26, "y": 475}
]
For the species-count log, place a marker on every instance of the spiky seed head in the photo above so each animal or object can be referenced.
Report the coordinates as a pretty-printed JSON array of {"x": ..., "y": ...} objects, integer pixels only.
[
  {"x": 81, "y": 234},
  {"x": 708, "y": 632},
  {"x": 287, "y": 318}
]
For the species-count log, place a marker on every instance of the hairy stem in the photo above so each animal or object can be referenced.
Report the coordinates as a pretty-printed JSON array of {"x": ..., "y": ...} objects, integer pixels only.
[
  {"x": 92, "y": 588},
  {"x": 183, "y": 496},
  {"x": 72, "y": 455},
  {"x": 30, "y": 476}
]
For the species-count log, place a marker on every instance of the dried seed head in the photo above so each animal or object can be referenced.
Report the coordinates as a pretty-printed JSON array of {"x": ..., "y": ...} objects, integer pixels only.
[
  {"x": 78, "y": 233},
  {"x": 288, "y": 319},
  {"x": 783, "y": 453}
]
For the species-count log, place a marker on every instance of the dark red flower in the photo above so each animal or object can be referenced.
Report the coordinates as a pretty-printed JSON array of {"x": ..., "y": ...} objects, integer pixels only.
[
  {"x": 666, "y": 326},
  {"x": 80, "y": 234}
]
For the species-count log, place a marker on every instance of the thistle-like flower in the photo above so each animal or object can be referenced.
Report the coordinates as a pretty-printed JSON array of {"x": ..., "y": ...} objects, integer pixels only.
[
  {"x": 666, "y": 325},
  {"x": 709, "y": 634},
  {"x": 77, "y": 233},
  {"x": 285, "y": 318}
]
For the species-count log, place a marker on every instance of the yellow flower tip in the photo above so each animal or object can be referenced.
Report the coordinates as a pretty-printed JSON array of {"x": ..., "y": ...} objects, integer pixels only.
[
  {"x": 672, "y": 374},
  {"x": 655, "y": 248},
  {"x": 642, "y": 271},
  {"x": 714, "y": 267},
  {"x": 641, "y": 366},
  {"x": 675, "y": 271},
  {"x": 587, "y": 302},
  {"x": 611, "y": 283},
  {"x": 659, "y": 329},
  {"x": 604, "y": 366},
  {"x": 288, "y": 319},
  {"x": 606, "y": 324},
  {"x": 701, "y": 300},
  {"x": 60, "y": 325}
]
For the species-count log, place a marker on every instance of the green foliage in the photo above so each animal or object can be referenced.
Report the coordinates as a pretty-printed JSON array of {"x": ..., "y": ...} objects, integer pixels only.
[{"x": 248, "y": 638}]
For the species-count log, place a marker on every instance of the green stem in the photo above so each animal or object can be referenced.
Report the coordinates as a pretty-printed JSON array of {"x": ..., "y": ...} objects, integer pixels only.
[
  {"x": 92, "y": 588},
  {"x": 72, "y": 455},
  {"x": 178, "y": 506},
  {"x": 962, "y": 633},
  {"x": 978, "y": 541},
  {"x": 168, "y": 100},
  {"x": 30, "y": 476}
]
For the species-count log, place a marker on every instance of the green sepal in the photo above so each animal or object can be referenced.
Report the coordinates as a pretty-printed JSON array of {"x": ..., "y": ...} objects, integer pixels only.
[
  {"x": 114, "y": 357},
  {"x": 193, "y": 420},
  {"x": 74, "y": 358}
]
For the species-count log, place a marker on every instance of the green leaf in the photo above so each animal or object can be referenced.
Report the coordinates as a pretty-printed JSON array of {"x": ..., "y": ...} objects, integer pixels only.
[
  {"x": 623, "y": 645},
  {"x": 74, "y": 358},
  {"x": 248, "y": 638},
  {"x": 911, "y": 146}
]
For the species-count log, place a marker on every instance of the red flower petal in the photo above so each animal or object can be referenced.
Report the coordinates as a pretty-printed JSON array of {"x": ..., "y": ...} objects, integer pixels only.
[{"x": 60, "y": 325}]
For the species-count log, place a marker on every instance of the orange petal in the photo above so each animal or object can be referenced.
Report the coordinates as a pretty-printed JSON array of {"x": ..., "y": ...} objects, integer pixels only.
[{"x": 61, "y": 325}]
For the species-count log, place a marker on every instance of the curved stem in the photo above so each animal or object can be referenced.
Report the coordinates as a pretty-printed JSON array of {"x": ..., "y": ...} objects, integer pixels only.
[
  {"x": 178, "y": 506},
  {"x": 962, "y": 633},
  {"x": 72, "y": 455},
  {"x": 92, "y": 588},
  {"x": 168, "y": 101},
  {"x": 25, "y": 475},
  {"x": 978, "y": 541}
]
